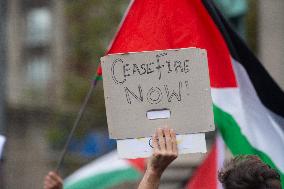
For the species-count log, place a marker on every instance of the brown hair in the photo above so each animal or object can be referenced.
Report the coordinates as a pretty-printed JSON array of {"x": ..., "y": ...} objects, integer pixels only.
[{"x": 248, "y": 172}]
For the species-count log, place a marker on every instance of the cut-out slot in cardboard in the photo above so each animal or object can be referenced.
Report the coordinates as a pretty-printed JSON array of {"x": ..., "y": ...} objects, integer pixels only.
[{"x": 158, "y": 114}]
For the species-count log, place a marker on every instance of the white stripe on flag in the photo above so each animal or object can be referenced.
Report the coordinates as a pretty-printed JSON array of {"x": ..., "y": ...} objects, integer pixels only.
[
  {"x": 255, "y": 122},
  {"x": 104, "y": 164},
  {"x": 2, "y": 142}
]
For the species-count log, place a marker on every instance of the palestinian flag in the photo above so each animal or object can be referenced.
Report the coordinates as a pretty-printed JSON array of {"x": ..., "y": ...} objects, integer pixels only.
[
  {"x": 249, "y": 115},
  {"x": 105, "y": 172},
  {"x": 206, "y": 175},
  {"x": 98, "y": 75},
  {"x": 248, "y": 104}
]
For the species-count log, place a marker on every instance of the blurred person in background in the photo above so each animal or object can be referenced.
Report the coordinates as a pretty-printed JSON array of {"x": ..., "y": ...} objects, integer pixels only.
[{"x": 248, "y": 172}]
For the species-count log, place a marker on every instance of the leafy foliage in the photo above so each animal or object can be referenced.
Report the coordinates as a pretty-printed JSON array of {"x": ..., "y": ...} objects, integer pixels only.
[{"x": 91, "y": 25}]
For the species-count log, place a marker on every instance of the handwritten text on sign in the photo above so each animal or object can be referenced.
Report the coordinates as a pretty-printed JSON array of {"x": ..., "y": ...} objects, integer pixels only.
[
  {"x": 176, "y": 80},
  {"x": 121, "y": 71}
]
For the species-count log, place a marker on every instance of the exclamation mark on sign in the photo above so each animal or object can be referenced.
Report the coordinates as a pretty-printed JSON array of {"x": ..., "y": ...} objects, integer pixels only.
[{"x": 187, "y": 88}]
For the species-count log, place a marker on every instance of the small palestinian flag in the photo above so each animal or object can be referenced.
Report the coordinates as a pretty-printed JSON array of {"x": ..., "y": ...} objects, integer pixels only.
[
  {"x": 105, "y": 172},
  {"x": 98, "y": 74}
]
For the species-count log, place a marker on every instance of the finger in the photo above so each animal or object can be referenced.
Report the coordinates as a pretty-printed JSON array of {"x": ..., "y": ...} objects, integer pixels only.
[
  {"x": 48, "y": 179},
  {"x": 174, "y": 141},
  {"x": 161, "y": 139},
  {"x": 168, "y": 140},
  {"x": 60, "y": 180},
  {"x": 48, "y": 185},
  {"x": 55, "y": 177},
  {"x": 155, "y": 143},
  {"x": 52, "y": 182}
]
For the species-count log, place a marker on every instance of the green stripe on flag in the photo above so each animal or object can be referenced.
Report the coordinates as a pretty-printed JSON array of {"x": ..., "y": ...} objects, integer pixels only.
[
  {"x": 236, "y": 141},
  {"x": 98, "y": 77},
  {"x": 106, "y": 180}
]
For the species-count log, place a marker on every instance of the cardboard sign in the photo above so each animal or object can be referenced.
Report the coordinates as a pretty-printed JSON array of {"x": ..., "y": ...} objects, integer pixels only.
[
  {"x": 146, "y": 90},
  {"x": 142, "y": 147}
]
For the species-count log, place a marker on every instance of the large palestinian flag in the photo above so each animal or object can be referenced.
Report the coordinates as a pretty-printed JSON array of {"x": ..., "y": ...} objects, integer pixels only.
[
  {"x": 250, "y": 116},
  {"x": 248, "y": 104}
]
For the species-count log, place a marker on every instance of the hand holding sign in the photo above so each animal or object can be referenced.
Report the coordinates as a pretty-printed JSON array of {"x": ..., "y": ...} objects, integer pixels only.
[
  {"x": 164, "y": 153},
  {"x": 145, "y": 90}
]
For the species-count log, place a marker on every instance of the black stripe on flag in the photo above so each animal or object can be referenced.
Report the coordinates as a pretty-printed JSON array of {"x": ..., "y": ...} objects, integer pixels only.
[{"x": 268, "y": 91}]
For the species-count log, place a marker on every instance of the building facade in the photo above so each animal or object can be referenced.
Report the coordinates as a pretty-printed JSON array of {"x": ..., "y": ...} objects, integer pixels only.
[
  {"x": 35, "y": 60},
  {"x": 36, "y": 46}
]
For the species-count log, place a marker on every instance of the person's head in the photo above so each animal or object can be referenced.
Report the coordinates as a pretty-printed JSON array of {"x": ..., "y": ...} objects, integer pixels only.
[{"x": 248, "y": 172}]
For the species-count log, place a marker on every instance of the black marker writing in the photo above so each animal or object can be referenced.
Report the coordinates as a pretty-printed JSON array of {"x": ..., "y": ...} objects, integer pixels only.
[
  {"x": 173, "y": 93},
  {"x": 121, "y": 70},
  {"x": 128, "y": 93},
  {"x": 113, "y": 73}
]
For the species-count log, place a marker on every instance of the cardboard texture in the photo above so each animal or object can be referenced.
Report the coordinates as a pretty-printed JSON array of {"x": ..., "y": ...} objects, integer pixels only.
[
  {"x": 176, "y": 80},
  {"x": 142, "y": 147}
]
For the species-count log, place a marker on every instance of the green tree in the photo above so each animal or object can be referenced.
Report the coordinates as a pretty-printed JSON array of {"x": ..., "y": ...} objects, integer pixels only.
[{"x": 91, "y": 25}]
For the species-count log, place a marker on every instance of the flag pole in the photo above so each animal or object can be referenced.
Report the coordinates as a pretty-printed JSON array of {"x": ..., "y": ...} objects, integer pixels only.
[{"x": 76, "y": 123}]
